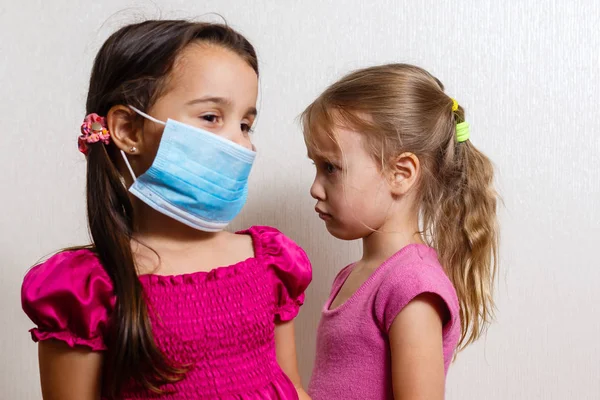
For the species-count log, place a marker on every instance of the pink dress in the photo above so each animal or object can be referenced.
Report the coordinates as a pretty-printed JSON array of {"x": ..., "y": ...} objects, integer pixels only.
[{"x": 221, "y": 322}]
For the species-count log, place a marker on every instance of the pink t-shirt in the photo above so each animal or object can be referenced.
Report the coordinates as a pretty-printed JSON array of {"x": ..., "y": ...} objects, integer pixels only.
[{"x": 353, "y": 358}]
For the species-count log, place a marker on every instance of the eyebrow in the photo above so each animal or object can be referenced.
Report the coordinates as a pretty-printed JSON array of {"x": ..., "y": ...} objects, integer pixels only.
[
  {"x": 320, "y": 155},
  {"x": 220, "y": 100}
]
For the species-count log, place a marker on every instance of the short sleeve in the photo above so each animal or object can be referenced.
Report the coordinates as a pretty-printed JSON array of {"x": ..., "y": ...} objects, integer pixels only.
[
  {"x": 402, "y": 284},
  {"x": 292, "y": 270},
  {"x": 69, "y": 298}
]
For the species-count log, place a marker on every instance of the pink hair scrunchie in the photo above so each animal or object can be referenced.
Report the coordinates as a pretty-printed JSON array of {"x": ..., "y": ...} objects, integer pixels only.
[{"x": 93, "y": 130}]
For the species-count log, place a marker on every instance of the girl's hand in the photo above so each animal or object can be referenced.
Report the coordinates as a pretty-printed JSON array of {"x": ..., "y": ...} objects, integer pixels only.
[
  {"x": 302, "y": 395},
  {"x": 417, "y": 350},
  {"x": 69, "y": 373}
]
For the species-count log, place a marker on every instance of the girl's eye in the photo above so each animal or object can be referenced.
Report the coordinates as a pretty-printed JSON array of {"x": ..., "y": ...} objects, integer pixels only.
[
  {"x": 210, "y": 118},
  {"x": 246, "y": 128},
  {"x": 329, "y": 168}
]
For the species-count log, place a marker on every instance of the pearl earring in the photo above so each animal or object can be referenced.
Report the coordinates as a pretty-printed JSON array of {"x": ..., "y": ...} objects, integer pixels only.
[{"x": 133, "y": 149}]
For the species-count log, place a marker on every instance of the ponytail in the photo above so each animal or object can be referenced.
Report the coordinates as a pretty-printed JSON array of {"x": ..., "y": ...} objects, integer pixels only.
[
  {"x": 465, "y": 235},
  {"x": 133, "y": 354}
]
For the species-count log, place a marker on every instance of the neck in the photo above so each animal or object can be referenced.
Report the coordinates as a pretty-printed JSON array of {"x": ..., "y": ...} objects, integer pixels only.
[
  {"x": 153, "y": 227},
  {"x": 393, "y": 235}
]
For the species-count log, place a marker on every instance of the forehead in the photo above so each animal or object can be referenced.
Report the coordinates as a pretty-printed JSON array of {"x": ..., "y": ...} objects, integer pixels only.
[
  {"x": 340, "y": 140},
  {"x": 203, "y": 69}
]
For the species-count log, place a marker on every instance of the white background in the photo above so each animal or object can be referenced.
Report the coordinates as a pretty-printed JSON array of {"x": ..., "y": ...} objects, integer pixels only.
[{"x": 527, "y": 73}]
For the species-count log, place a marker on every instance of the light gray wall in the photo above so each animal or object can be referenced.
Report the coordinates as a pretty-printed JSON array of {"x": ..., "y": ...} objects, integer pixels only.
[{"x": 527, "y": 73}]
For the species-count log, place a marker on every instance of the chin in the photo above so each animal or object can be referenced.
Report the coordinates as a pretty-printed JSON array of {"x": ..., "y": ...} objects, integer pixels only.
[{"x": 343, "y": 234}]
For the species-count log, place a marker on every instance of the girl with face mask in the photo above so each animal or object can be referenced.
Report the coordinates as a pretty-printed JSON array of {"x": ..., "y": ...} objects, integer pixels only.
[{"x": 163, "y": 303}]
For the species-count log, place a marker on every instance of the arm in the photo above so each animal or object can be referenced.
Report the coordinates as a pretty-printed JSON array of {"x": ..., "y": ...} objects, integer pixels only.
[
  {"x": 417, "y": 350},
  {"x": 69, "y": 373},
  {"x": 285, "y": 347}
]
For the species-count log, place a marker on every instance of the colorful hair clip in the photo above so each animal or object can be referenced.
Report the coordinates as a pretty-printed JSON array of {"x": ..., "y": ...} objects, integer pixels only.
[
  {"x": 462, "y": 132},
  {"x": 454, "y": 105},
  {"x": 93, "y": 130}
]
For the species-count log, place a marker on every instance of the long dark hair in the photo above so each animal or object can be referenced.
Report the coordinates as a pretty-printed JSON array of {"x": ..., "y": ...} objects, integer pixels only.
[{"x": 131, "y": 69}]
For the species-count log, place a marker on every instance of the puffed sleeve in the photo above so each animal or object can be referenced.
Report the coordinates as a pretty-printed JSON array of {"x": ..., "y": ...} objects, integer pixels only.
[
  {"x": 292, "y": 271},
  {"x": 69, "y": 298}
]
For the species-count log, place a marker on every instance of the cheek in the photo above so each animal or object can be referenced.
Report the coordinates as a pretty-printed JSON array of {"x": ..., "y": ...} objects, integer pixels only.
[
  {"x": 368, "y": 204},
  {"x": 247, "y": 143},
  {"x": 149, "y": 148}
]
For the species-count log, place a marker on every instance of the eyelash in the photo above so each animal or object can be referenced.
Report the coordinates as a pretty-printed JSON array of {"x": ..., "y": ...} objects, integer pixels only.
[
  {"x": 328, "y": 167},
  {"x": 208, "y": 117},
  {"x": 245, "y": 126},
  {"x": 248, "y": 129}
]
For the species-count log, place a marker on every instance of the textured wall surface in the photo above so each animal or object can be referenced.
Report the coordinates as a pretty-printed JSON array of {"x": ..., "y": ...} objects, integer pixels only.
[{"x": 527, "y": 74}]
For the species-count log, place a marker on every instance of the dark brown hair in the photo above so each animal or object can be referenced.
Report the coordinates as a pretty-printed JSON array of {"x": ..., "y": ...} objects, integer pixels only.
[
  {"x": 131, "y": 68},
  {"x": 403, "y": 108}
]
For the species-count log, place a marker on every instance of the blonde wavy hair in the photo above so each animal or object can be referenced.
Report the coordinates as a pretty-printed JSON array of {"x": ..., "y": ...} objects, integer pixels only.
[{"x": 403, "y": 108}]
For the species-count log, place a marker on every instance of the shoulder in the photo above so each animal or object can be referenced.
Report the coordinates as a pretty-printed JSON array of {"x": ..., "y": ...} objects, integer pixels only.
[
  {"x": 272, "y": 244},
  {"x": 267, "y": 235},
  {"x": 67, "y": 268},
  {"x": 69, "y": 297},
  {"x": 415, "y": 273},
  {"x": 341, "y": 277},
  {"x": 290, "y": 267}
]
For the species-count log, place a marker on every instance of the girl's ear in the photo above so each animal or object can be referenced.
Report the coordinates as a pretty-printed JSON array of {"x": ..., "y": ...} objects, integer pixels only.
[
  {"x": 125, "y": 134},
  {"x": 404, "y": 171}
]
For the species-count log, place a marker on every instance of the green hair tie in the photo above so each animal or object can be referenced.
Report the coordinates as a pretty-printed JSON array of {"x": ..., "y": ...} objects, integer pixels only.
[{"x": 462, "y": 132}]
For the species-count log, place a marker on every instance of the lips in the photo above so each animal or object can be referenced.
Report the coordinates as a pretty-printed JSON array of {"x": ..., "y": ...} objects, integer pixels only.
[{"x": 322, "y": 214}]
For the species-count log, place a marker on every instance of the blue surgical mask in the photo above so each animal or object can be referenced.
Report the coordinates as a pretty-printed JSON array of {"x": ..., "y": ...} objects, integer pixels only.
[{"x": 197, "y": 178}]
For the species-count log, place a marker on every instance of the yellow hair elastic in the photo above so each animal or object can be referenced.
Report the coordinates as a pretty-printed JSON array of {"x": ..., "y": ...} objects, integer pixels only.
[
  {"x": 462, "y": 132},
  {"x": 454, "y": 105}
]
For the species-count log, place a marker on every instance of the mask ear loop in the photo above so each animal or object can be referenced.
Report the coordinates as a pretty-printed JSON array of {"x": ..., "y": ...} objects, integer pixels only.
[
  {"x": 128, "y": 165},
  {"x": 143, "y": 114}
]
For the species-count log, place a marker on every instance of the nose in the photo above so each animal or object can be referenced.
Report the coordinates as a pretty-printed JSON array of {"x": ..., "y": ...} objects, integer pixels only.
[
  {"x": 317, "y": 191},
  {"x": 237, "y": 136}
]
